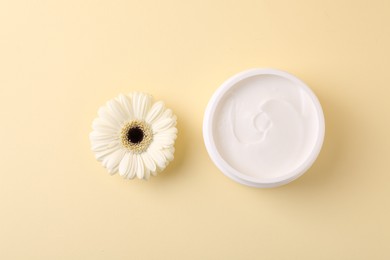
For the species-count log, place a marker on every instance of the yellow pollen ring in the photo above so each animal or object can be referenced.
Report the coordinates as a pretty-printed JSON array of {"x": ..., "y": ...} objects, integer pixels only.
[{"x": 141, "y": 146}]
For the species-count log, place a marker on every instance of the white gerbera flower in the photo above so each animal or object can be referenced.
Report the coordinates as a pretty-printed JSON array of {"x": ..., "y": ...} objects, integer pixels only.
[{"x": 133, "y": 136}]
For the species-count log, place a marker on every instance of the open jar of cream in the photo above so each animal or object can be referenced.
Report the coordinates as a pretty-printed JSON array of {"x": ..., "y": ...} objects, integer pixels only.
[{"x": 263, "y": 128}]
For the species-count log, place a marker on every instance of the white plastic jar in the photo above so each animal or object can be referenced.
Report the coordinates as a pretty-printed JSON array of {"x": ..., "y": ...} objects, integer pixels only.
[{"x": 263, "y": 128}]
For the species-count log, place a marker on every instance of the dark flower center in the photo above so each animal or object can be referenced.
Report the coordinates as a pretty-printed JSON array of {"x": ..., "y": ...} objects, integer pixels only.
[{"x": 135, "y": 135}]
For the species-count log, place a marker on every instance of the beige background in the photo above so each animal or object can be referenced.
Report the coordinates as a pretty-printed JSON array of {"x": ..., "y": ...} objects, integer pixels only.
[{"x": 61, "y": 60}]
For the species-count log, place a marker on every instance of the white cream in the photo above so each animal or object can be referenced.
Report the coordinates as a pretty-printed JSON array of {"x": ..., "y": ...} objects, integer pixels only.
[{"x": 264, "y": 128}]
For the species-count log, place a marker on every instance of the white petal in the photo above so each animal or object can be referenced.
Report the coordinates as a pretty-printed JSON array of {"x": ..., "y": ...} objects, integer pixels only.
[
  {"x": 148, "y": 161},
  {"x": 167, "y": 113},
  {"x": 146, "y": 174},
  {"x": 127, "y": 106},
  {"x": 174, "y": 117},
  {"x": 103, "y": 126},
  {"x": 98, "y": 139},
  {"x": 141, "y": 104},
  {"x": 132, "y": 167},
  {"x": 98, "y": 136},
  {"x": 140, "y": 167},
  {"x": 155, "y": 112},
  {"x": 163, "y": 124},
  {"x": 111, "y": 162},
  {"x": 101, "y": 146},
  {"x": 105, "y": 114},
  {"x": 112, "y": 171},
  {"x": 164, "y": 141},
  {"x": 157, "y": 157},
  {"x": 168, "y": 154},
  {"x": 124, "y": 165},
  {"x": 116, "y": 110},
  {"x": 171, "y": 130},
  {"x": 104, "y": 153}
]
